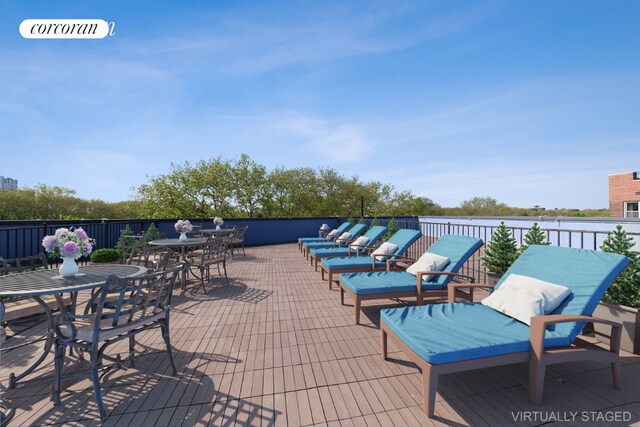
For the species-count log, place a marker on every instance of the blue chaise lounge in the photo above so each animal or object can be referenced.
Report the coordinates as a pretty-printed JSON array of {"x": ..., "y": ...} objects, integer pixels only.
[
  {"x": 402, "y": 239},
  {"x": 342, "y": 240},
  {"x": 454, "y": 337},
  {"x": 338, "y": 231},
  {"x": 372, "y": 236},
  {"x": 400, "y": 284}
]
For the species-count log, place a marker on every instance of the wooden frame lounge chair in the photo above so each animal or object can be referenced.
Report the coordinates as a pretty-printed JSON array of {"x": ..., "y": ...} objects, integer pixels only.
[
  {"x": 341, "y": 229},
  {"x": 446, "y": 338},
  {"x": 355, "y": 231},
  {"x": 373, "y": 235},
  {"x": 400, "y": 284},
  {"x": 403, "y": 238}
]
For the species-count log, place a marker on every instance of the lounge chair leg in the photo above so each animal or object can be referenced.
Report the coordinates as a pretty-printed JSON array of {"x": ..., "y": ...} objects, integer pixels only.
[
  {"x": 357, "y": 306},
  {"x": 341, "y": 295},
  {"x": 429, "y": 388},
  {"x": 316, "y": 263},
  {"x": 615, "y": 372},
  {"x": 311, "y": 259},
  {"x": 330, "y": 280},
  {"x": 322, "y": 273},
  {"x": 536, "y": 381},
  {"x": 383, "y": 343}
]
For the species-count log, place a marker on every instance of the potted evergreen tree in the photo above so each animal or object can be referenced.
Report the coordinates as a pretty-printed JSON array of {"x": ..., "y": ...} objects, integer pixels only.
[
  {"x": 499, "y": 253},
  {"x": 621, "y": 303},
  {"x": 535, "y": 236}
]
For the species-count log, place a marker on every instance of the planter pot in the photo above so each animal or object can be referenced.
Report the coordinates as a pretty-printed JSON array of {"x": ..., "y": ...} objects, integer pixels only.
[
  {"x": 630, "y": 320},
  {"x": 493, "y": 278}
]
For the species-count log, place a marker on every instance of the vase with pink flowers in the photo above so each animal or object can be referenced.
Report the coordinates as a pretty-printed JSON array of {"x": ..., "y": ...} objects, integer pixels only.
[
  {"x": 218, "y": 222},
  {"x": 68, "y": 244},
  {"x": 183, "y": 226}
]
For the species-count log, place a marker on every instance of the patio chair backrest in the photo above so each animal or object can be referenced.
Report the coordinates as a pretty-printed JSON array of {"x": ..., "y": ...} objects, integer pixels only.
[
  {"x": 374, "y": 233},
  {"x": 404, "y": 238},
  {"x": 239, "y": 234},
  {"x": 587, "y": 273},
  {"x": 153, "y": 257},
  {"x": 458, "y": 249},
  {"x": 19, "y": 265},
  {"x": 123, "y": 301}
]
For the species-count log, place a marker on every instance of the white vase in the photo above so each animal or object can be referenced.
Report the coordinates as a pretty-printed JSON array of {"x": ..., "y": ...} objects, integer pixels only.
[
  {"x": 217, "y": 227},
  {"x": 69, "y": 267},
  {"x": 183, "y": 236}
]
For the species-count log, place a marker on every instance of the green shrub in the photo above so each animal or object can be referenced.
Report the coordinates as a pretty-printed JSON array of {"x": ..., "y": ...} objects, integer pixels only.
[
  {"x": 626, "y": 288},
  {"x": 501, "y": 251},
  {"x": 105, "y": 255}
]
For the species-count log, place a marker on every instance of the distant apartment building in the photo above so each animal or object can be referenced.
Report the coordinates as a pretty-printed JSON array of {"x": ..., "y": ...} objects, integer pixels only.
[
  {"x": 8, "y": 183},
  {"x": 624, "y": 195}
]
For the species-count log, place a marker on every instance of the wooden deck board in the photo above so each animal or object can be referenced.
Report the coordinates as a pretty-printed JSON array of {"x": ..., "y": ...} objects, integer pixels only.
[{"x": 277, "y": 348}]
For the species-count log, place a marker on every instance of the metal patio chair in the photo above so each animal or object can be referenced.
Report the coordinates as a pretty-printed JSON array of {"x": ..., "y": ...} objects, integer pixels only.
[
  {"x": 123, "y": 308},
  {"x": 206, "y": 255}
]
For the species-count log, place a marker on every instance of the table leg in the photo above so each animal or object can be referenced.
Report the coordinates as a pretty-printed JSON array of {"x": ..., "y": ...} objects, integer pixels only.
[{"x": 13, "y": 378}]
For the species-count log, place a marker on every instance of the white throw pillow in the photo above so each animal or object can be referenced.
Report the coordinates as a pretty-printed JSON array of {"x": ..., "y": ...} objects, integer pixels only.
[
  {"x": 344, "y": 237},
  {"x": 361, "y": 241},
  {"x": 522, "y": 297},
  {"x": 428, "y": 262},
  {"x": 333, "y": 233},
  {"x": 384, "y": 249}
]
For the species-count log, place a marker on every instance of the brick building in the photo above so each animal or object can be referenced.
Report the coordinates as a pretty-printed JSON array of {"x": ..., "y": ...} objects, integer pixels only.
[{"x": 624, "y": 195}]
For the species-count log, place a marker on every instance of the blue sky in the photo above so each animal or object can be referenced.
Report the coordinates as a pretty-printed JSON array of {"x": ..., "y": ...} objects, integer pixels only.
[{"x": 533, "y": 103}]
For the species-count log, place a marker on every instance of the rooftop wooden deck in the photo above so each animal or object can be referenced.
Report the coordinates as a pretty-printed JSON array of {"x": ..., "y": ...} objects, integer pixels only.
[{"x": 277, "y": 348}]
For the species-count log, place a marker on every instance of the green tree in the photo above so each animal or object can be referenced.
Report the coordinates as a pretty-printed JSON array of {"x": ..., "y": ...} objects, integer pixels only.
[
  {"x": 152, "y": 233},
  {"x": 626, "y": 288},
  {"x": 501, "y": 251},
  {"x": 392, "y": 228},
  {"x": 250, "y": 185},
  {"x": 534, "y": 236}
]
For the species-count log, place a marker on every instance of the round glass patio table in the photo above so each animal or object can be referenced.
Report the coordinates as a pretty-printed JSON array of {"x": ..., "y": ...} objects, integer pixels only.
[
  {"x": 36, "y": 284},
  {"x": 183, "y": 246}
]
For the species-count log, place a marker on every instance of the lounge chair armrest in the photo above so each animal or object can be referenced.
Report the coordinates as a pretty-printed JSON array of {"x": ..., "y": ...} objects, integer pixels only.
[
  {"x": 356, "y": 248},
  {"x": 452, "y": 287},
  {"x": 539, "y": 326}
]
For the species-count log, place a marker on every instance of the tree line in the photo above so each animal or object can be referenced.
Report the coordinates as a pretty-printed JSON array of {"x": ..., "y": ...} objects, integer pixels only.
[
  {"x": 241, "y": 187},
  {"x": 244, "y": 188}
]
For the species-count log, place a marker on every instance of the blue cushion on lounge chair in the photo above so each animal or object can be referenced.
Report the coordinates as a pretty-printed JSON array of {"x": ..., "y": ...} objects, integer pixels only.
[
  {"x": 443, "y": 333},
  {"x": 587, "y": 273},
  {"x": 481, "y": 331},
  {"x": 373, "y": 234},
  {"x": 355, "y": 232},
  {"x": 457, "y": 248},
  {"x": 403, "y": 238},
  {"x": 348, "y": 262},
  {"x": 382, "y": 282},
  {"x": 340, "y": 229}
]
